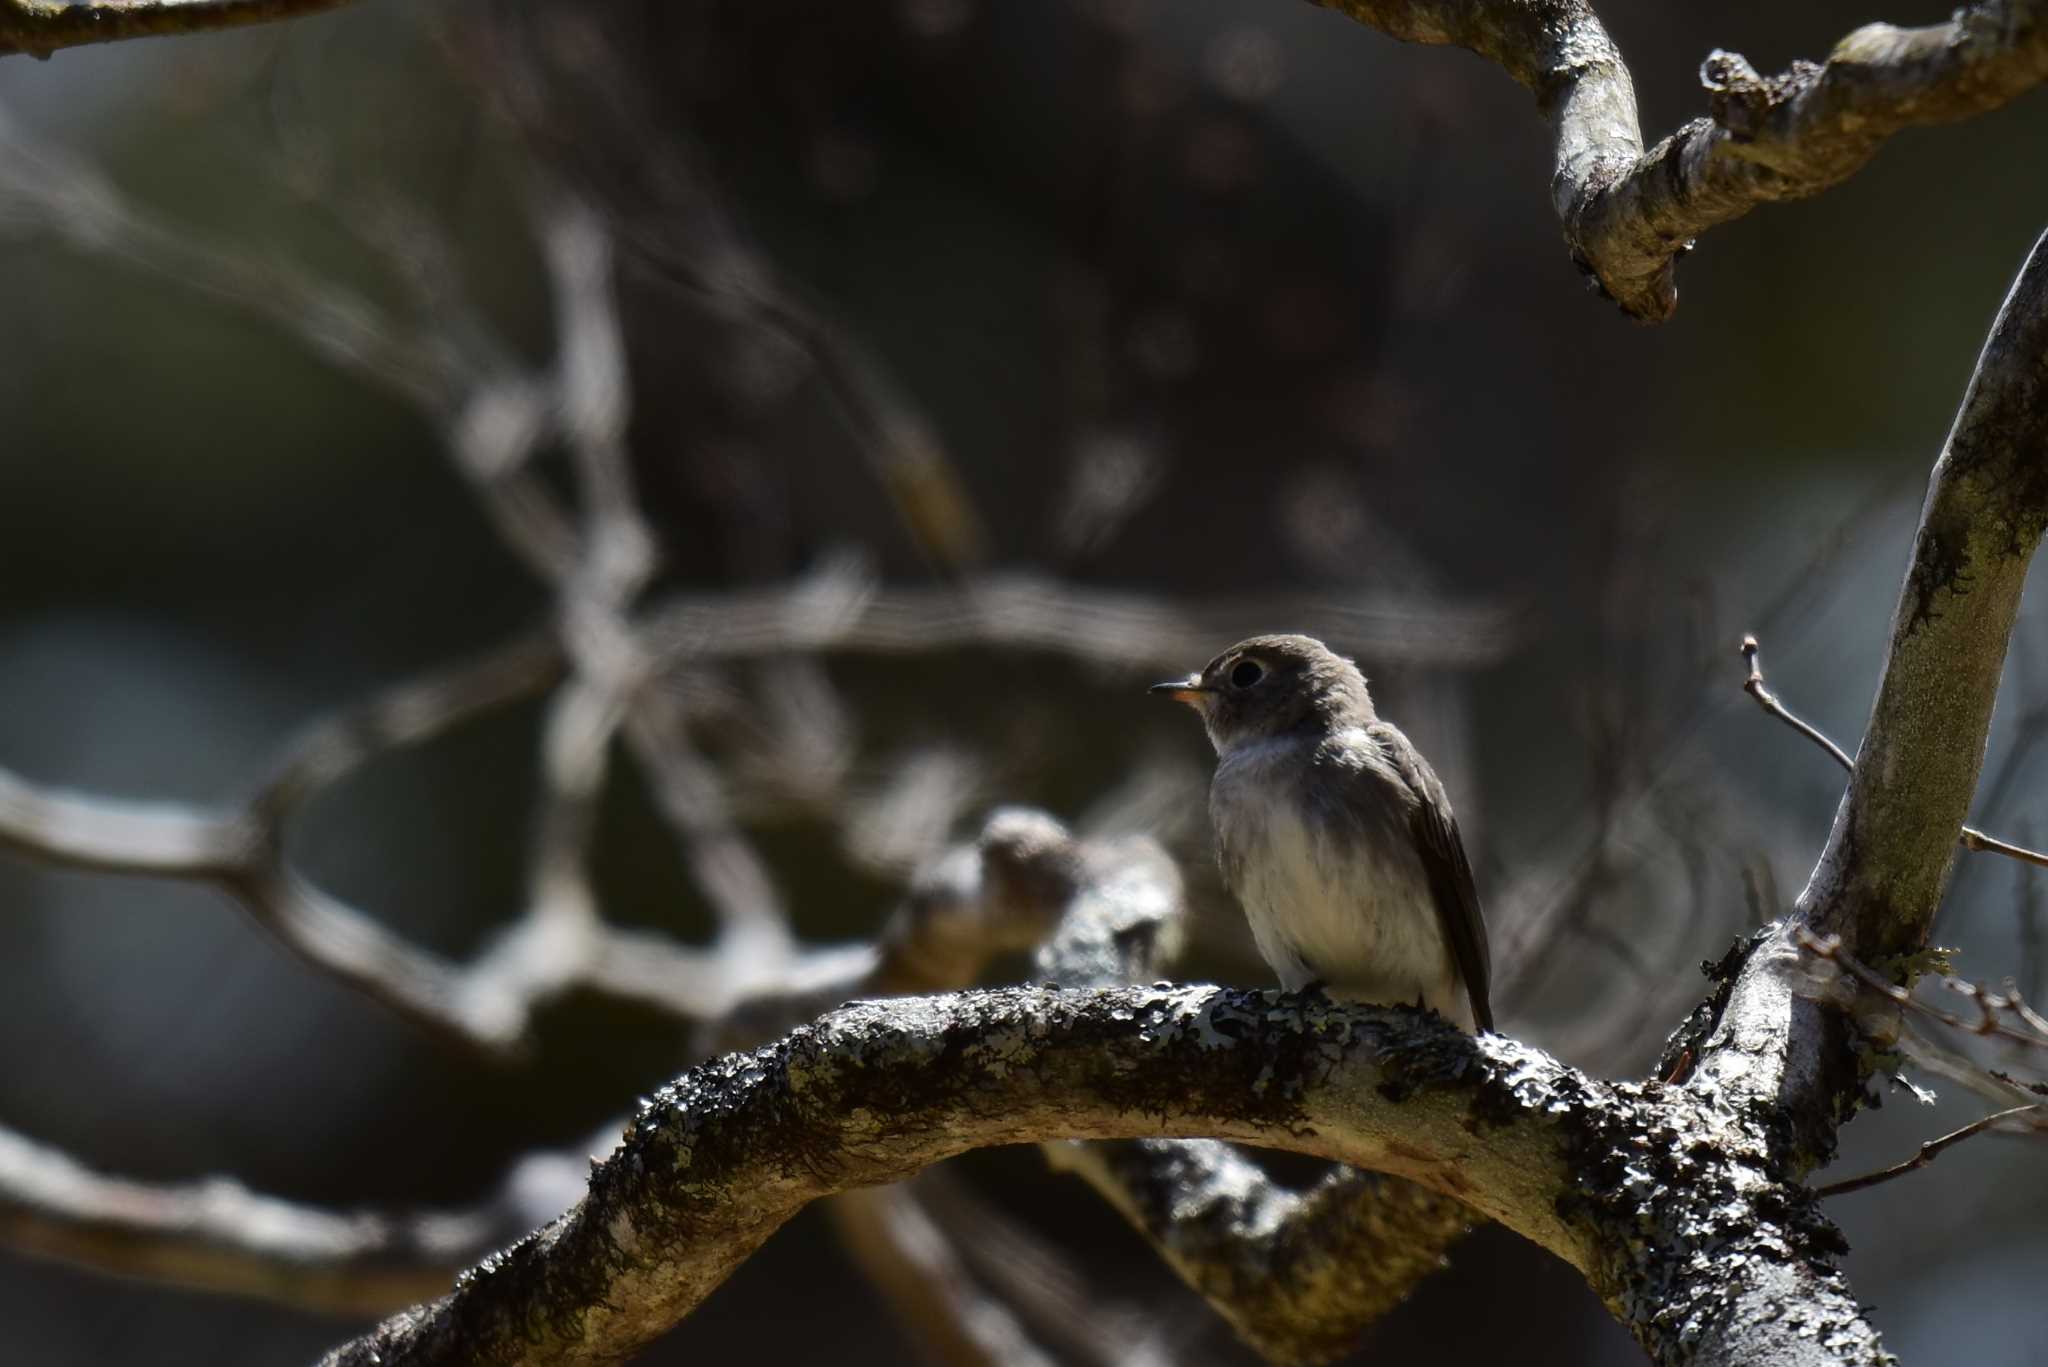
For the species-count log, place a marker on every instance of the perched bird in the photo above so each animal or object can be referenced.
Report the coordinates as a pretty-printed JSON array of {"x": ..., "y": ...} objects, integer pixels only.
[{"x": 1335, "y": 834}]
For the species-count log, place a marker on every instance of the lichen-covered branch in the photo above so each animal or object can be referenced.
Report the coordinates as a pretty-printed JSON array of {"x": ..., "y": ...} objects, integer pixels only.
[
  {"x": 43, "y": 26},
  {"x": 1635, "y": 1186},
  {"x": 1628, "y": 214},
  {"x": 484, "y": 1005},
  {"x": 1299, "y": 1275},
  {"x": 1879, "y": 880}
]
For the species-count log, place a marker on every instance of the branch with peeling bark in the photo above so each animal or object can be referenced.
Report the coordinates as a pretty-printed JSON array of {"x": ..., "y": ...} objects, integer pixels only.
[
  {"x": 1299, "y": 1276},
  {"x": 1628, "y": 212}
]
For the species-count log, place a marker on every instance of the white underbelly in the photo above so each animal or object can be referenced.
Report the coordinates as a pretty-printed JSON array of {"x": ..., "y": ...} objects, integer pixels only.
[{"x": 1352, "y": 909}]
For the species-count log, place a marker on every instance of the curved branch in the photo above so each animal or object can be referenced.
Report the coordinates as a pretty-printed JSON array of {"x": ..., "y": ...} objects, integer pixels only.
[
  {"x": 1629, "y": 214},
  {"x": 217, "y": 1235},
  {"x": 1299, "y": 1275},
  {"x": 1888, "y": 858},
  {"x": 1657, "y": 1198}
]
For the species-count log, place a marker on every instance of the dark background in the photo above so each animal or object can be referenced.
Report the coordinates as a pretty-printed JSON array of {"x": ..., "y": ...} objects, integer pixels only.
[{"x": 1208, "y": 297}]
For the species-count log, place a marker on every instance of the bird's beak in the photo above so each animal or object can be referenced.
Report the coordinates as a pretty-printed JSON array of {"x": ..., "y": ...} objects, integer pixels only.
[{"x": 1188, "y": 690}]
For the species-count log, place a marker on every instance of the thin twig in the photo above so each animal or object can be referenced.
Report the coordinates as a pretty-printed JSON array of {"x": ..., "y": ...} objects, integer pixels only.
[
  {"x": 2028, "y": 907},
  {"x": 1929, "y": 1151},
  {"x": 1971, "y": 838},
  {"x": 1989, "y": 1021},
  {"x": 1768, "y": 701}
]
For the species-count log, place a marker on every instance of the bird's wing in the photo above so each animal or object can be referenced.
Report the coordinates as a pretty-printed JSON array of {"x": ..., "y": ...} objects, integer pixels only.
[{"x": 1443, "y": 854}]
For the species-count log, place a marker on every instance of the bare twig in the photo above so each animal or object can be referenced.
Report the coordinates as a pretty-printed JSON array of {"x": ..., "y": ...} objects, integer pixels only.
[
  {"x": 1971, "y": 838},
  {"x": 1929, "y": 1151},
  {"x": 485, "y": 1005},
  {"x": 1992, "y": 1008},
  {"x": 1768, "y": 701}
]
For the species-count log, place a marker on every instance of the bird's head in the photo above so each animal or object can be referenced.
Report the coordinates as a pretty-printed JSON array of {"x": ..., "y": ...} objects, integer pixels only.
[{"x": 1273, "y": 685}]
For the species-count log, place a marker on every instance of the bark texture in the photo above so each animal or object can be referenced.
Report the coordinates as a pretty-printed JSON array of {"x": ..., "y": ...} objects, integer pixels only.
[
  {"x": 1662, "y": 1198},
  {"x": 1628, "y": 214}
]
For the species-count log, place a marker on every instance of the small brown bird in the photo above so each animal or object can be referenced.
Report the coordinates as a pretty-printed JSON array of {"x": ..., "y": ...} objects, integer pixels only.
[{"x": 1335, "y": 834}]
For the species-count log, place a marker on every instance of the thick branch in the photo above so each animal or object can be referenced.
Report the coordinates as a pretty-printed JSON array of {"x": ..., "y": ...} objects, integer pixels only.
[
  {"x": 1888, "y": 858},
  {"x": 42, "y": 26},
  {"x": 1880, "y": 879},
  {"x": 1299, "y": 1276},
  {"x": 1628, "y": 214},
  {"x": 1636, "y": 1188}
]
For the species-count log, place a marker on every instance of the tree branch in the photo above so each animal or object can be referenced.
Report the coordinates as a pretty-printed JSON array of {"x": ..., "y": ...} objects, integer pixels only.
[
  {"x": 1971, "y": 839},
  {"x": 1629, "y": 214},
  {"x": 40, "y": 27},
  {"x": 1632, "y": 1185},
  {"x": 217, "y": 1235},
  {"x": 1879, "y": 881},
  {"x": 1029, "y": 612},
  {"x": 1298, "y": 1276},
  {"x": 1877, "y": 884},
  {"x": 1929, "y": 1151},
  {"x": 485, "y": 1005}
]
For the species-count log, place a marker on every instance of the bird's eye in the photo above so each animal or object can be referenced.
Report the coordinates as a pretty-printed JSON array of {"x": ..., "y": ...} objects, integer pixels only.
[{"x": 1247, "y": 673}]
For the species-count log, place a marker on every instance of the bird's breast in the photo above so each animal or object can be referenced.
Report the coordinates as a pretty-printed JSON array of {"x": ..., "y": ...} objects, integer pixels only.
[{"x": 1323, "y": 861}]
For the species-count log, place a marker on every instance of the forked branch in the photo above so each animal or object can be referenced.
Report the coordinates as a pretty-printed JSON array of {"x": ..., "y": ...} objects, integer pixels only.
[{"x": 1628, "y": 213}]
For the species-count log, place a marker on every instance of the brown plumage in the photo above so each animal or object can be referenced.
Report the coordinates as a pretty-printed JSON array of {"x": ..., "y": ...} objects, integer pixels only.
[{"x": 1335, "y": 834}]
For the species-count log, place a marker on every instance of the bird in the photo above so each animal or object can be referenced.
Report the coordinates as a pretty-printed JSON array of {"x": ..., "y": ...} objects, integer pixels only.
[{"x": 1335, "y": 835}]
